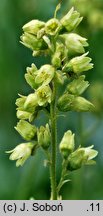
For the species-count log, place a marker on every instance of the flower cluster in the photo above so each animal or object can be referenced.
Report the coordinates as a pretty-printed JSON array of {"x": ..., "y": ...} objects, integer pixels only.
[
  {"x": 68, "y": 61},
  {"x": 76, "y": 158}
]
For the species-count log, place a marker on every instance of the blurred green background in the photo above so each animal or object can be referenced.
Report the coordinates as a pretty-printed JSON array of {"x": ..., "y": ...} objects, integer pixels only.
[{"x": 33, "y": 178}]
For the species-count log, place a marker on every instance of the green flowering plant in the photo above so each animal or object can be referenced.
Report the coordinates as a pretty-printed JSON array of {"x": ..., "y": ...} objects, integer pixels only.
[{"x": 57, "y": 39}]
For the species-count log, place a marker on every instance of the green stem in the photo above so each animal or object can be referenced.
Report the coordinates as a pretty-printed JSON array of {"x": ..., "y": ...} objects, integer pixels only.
[
  {"x": 54, "y": 144},
  {"x": 63, "y": 174}
]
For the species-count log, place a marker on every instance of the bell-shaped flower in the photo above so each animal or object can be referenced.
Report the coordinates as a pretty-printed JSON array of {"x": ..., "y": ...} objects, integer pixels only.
[
  {"x": 30, "y": 76},
  {"x": 89, "y": 154},
  {"x": 24, "y": 115},
  {"x": 33, "y": 26},
  {"x": 71, "y": 20},
  {"x": 80, "y": 104},
  {"x": 52, "y": 26},
  {"x": 74, "y": 43},
  {"x": 20, "y": 101},
  {"x": 26, "y": 130},
  {"x": 65, "y": 102},
  {"x": 82, "y": 156},
  {"x": 67, "y": 144},
  {"x": 77, "y": 86},
  {"x": 79, "y": 64},
  {"x": 45, "y": 75},
  {"x": 44, "y": 95},
  {"x": 32, "y": 42},
  {"x": 31, "y": 101},
  {"x": 21, "y": 153}
]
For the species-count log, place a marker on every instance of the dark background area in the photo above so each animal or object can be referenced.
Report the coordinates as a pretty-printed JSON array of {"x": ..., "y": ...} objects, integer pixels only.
[{"x": 33, "y": 178}]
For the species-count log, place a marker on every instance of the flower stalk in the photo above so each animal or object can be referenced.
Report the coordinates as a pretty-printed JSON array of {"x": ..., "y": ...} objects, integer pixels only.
[{"x": 53, "y": 143}]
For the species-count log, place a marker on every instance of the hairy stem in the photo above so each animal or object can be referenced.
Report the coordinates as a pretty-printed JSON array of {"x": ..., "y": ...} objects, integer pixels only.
[
  {"x": 63, "y": 174},
  {"x": 54, "y": 144}
]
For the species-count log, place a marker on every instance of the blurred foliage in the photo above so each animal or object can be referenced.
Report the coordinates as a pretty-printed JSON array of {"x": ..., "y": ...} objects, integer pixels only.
[{"x": 33, "y": 178}]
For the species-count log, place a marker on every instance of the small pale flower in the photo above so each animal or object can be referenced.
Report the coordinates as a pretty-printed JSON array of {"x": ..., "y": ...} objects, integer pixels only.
[
  {"x": 44, "y": 95},
  {"x": 31, "y": 101},
  {"x": 82, "y": 156},
  {"x": 80, "y": 104},
  {"x": 74, "y": 43},
  {"x": 26, "y": 130},
  {"x": 71, "y": 20},
  {"x": 30, "y": 76},
  {"x": 23, "y": 114},
  {"x": 89, "y": 153},
  {"x": 45, "y": 75},
  {"x": 67, "y": 144},
  {"x": 32, "y": 42},
  {"x": 20, "y": 101},
  {"x": 79, "y": 64},
  {"x": 65, "y": 102},
  {"x": 77, "y": 86},
  {"x": 52, "y": 26},
  {"x": 33, "y": 26},
  {"x": 21, "y": 153}
]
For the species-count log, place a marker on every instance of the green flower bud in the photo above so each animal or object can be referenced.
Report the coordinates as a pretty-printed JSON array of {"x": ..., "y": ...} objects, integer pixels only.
[
  {"x": 44, "y": 95},
  {"x": 31, "y": 101},
  {"x": 82, "y": 156},
  {"x": 71, "y": 20},
  {"x": 52, "y": 26},
  {"x": 65, "y": 102},
  {"x": 59, "y": 55},
  {"x": 79, "y": 64},
  {"x": 21, "y": 153},
  {"x": 30, "y": 76},
  {"x": 80, "y": 104},
  {"x": 44, "y": 136},
  {"x": 32, "y": 42},
  {"x": 74, "y": 43},
  {"x": 33, "y": 26},
  {"x": 67, "y": 144},
  {"x": 78, "y": 86},
  {"x": 26, "y": 130},
  {"x": 45, "y": 75}
]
